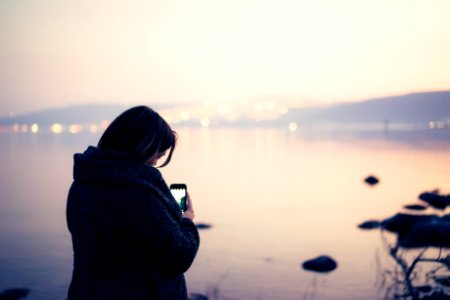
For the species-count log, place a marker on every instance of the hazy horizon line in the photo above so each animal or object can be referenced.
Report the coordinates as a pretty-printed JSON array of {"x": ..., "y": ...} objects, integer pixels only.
[{"x": 289, "y": 100}]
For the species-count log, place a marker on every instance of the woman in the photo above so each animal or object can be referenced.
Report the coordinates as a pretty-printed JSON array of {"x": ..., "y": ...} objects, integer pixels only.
[{"x": 130, "y": 238}]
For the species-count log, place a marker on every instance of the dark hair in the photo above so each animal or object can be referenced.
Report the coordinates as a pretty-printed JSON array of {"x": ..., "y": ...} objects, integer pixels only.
[{"x": 141, "y": 133}]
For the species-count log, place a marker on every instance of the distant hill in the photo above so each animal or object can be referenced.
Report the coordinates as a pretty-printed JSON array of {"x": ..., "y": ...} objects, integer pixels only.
[
  {"x": 419, "y": 108},
  {"x": 90, "y": 113}
]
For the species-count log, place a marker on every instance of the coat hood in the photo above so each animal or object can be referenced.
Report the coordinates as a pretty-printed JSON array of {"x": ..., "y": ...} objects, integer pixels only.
[{"x": 98, "y": 166}]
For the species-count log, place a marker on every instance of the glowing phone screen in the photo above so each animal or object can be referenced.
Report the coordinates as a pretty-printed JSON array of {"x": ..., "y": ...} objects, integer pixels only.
[{"x": 180, "y": 196}]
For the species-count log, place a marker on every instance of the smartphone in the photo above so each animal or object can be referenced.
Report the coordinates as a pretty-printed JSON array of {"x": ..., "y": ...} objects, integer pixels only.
[{"x": 179, "y": 191}]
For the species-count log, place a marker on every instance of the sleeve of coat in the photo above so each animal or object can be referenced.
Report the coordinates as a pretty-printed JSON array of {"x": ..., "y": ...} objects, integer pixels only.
[{"x": 171, "y": 243}]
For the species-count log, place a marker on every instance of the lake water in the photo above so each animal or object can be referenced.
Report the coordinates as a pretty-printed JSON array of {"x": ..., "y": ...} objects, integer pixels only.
[{"x": 275, "y": 199}]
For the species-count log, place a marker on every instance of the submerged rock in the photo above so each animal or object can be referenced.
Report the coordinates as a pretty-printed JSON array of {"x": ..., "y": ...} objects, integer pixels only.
[
  {"x": 14, "y": 294},
  {"x": 415, "y": 207},
  {"x": 371, "y": 224},
  {"x": 371, "y": 180},
  {"x": 435, "y": 200},
  {"x": 203, "y": 226},
  {"x": 320, "y": 264}
]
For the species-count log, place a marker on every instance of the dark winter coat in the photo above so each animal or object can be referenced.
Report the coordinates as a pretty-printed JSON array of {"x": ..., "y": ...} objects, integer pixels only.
[{"x": 129, "y": 239}]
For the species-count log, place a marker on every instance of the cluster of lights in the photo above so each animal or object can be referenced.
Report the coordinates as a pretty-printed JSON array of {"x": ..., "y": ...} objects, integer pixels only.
[
  {"x": 55, "y": 128},
  {"x": 438, "y": 125},
  {"x": 233, "y": 110},
  {"x": 205, "y": 115},
  {"x": 292, "y": 126}
]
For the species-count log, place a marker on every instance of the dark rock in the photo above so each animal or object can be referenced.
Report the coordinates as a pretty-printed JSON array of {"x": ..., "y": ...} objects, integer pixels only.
[
  {"x": 371, "y": 180},
  {"x": 435, "y": 200},
  {"x": 415, "y": 207},
  {"x": 320, "y": 264},
  {"x": 403, "y": 223},
  {"x": 371, "y": 224},
  {"x": 14, "y": 294},
  {"x": 435, "y": 233},
  {"x": 419, "y": 230},
  {"x": 196, "y": 296},
  {"x": 203, "y": 226}
]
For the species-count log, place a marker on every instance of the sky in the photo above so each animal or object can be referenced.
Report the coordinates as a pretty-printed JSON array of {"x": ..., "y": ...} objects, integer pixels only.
[{"x": 59, "y": 53}]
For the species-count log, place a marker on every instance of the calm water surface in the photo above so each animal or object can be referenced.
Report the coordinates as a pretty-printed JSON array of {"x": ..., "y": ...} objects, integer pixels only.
[{"x": 275, "y": 198}]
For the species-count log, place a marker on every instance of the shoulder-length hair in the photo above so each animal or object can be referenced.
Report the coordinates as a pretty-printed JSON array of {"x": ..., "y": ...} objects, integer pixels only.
[{"x": 141, "y": 133}]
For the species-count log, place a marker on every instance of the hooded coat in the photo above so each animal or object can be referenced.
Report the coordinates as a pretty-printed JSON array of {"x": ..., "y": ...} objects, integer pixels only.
[{"x": 129, "y": 238}]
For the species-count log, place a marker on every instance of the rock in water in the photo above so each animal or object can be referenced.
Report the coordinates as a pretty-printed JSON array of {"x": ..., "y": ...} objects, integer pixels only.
[
  {"x": 372, "y": 224},
  {"x": 371, "y": 180},
  {"x": 417, "y": 231},
  {"x": 415, "y": 207},
  {"x": 434, "y": 199},
  {"x": 14, "y": 294},
  {"x": 203, "y": 226},
  {"x": 320, "y": 264},
  {"x": 403, "y": 223}
]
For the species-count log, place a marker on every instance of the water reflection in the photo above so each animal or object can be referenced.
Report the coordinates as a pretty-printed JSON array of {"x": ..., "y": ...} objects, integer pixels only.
[{"x": 275, "y": 198}]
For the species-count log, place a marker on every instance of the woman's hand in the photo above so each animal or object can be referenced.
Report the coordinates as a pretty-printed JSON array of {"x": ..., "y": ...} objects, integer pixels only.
[{"x": 189, "y": 213}]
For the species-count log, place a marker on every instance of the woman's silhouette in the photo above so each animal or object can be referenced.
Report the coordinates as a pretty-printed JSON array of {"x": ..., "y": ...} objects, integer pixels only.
[{"x": 130, "y": 239}]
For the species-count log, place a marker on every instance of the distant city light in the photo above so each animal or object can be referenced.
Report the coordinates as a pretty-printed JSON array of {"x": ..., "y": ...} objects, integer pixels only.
[
  {"x": 431, "y": 125},
  {"x": 204, "y": 122},
  {"x": 74, "y": 128},
  {"x": 243, "y": 101},
  {"x": 93, "y": 128},
  {"x": 259, "y": 107},
  {"x": 185, "y": 115},
  {"x": 283, "y": 110},
  {"x": 270, "y": 105},
  {"x": 105, "y": 124},
  {"x": 16, "y": 127},
  {"x": 24, "y": 128},
  {"x": 292, "y": 126},
  {"x": 34, "y": 128},
  {"x": 208, "y": 102},
  {"x": 223, "y": 109},
  {"x": 57, "y": 128}
]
